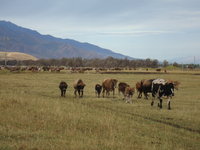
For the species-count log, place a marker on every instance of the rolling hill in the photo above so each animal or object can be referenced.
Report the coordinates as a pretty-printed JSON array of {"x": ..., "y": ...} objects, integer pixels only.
[
  {"x": 14, "y": 38},
  {"x": 16, "y": 56}
]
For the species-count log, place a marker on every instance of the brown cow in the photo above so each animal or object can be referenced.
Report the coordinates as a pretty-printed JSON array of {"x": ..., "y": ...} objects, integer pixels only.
[
  {"x": 145, "y": 87},
  {"x": 129, "y": 94},
  {"x": 138, "y": 86},
  {"x": 79, "y": 86},
  {"x": 121, "y": 87},
  {"x": 109, "y": 85}
]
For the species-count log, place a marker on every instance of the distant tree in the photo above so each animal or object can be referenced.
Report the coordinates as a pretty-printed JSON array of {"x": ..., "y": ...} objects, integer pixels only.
[
  {"x": 155, "y": 63},
  {"x": 148, "y": 62},
  {"x": 165, "y": 63},
  {"x": 175, "y": 64}
]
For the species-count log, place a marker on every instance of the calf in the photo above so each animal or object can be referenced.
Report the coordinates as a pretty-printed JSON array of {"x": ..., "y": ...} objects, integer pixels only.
[
  {"x": 98, "y": 89},
  {"x": 63, "y": 87},
  {"x": 121, "y": 87},
  {"x": 128, "y": 94},
  {"x": 79, "y": 86}
]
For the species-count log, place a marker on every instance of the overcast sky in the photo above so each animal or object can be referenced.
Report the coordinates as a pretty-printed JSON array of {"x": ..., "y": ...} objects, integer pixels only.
[{"x": 157, "y": 29}]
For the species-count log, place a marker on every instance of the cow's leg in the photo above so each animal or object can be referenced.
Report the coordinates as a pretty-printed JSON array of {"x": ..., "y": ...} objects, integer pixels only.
[
  {"x": 124, "y": 96},
  {"x": 103, "y": 92},
  {"x": 75, "y": 92},
  {"x": 64, "y": 93},
  {"x": 131, "y": 100},
  {"x": 140, "y": 95},
  {"x": 153, "y": 98},
  {"x": 107, "y": 93},
  {"x": 61, "y": 93},
  {"x": 127, "y": 99},
  {"x": 113, "y": 93},
  {"x": 79, "y": 93},
  {"x": 168, "y": 103},
  {"x": 82, "y": 93},
  {"x": 146, "y": 95},
  {"x": 160, "y": 104},
  {"x": 152, "y": 102}
]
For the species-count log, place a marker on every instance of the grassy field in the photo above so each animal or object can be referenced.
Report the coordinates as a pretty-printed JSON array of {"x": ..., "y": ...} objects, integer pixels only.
[{"x": 34, "y": 116}]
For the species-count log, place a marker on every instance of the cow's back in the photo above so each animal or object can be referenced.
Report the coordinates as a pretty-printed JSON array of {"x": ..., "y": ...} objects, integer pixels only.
[
  {"x": 78, "y": 82},
  {"x": 147, "y": 84},
  {"x": 109, "y": 84}
]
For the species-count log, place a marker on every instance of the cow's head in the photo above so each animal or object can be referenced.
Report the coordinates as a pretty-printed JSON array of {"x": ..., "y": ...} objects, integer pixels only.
[
  {"x": 169, "y": 89},
  {"x": 138, "y": 86},
  {"x": 129, "y": 91},
  {"x": 175, "y": 83}
]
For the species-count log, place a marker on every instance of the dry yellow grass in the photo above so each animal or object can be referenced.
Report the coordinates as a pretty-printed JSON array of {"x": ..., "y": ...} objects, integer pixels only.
[
  {"x": 16, "y": 56},
  {"x": 34, "y": 116}
]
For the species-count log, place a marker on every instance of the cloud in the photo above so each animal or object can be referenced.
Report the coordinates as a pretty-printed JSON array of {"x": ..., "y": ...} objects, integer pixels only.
[{"x": 155, "y": 26}]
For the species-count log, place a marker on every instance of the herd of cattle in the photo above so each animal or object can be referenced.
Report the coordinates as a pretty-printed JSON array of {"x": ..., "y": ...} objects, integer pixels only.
[
  {"x": 71, "y": 69},
  {"x": 59, "y": 68},
  {"x": 159, "y": 88}
]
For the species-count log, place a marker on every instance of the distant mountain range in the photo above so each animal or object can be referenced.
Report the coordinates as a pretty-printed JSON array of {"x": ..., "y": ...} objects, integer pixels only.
[
  {"x": 14, "y": 38},
  {"x": 187, "y": 60}
]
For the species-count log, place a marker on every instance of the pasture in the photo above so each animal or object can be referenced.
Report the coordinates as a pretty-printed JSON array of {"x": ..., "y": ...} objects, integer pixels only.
[{"x": 34, "y": 116}]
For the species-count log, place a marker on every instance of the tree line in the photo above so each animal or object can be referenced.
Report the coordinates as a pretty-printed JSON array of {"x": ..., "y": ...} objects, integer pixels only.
[{"x": 109, "y": 62}]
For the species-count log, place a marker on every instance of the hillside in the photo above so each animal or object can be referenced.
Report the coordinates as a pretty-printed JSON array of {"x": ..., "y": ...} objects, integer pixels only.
[
  {"x": 16, "y": 56},
  {"x": 19, "y": 39}
]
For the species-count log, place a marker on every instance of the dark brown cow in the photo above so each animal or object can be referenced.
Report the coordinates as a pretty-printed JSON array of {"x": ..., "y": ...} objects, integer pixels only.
[
  {"x": 129, "y": 94},
  {"x": 146, "y": 86},
  {"x": 79, "y": 86},
  {"x": 109, "y": 85},
  {"x": 122, "y": 86},
  {"x": 63, "y": 87},
  {"x": 98, "y": 89}
]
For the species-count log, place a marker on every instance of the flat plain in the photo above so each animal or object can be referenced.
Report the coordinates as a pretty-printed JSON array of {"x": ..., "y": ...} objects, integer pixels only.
[{"x": 34, "y": 116}]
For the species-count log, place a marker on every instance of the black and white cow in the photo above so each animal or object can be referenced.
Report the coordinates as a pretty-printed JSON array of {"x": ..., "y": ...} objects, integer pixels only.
[{"x": 161, "y": 88}]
